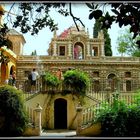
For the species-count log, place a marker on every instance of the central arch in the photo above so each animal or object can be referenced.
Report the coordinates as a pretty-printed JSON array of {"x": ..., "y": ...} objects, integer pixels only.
[
  {"x": 78, "y": 50},
  {"x": 60, "y": 114}
]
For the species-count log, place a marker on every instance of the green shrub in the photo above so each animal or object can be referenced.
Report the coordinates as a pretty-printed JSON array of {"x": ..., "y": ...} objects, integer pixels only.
[
  {"x": 120, "y": 119},
  {"x": 51, "y": 80},
  {"x": 13, "y": 117},
  {"x": 76, "y": 80}
]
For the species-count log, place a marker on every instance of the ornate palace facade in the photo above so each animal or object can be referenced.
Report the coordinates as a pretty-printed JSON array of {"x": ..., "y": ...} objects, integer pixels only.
[{"x": 76, "y": 50}]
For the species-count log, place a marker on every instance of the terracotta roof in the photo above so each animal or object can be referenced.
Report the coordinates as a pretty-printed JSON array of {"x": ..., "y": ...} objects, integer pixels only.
[{"x": 64, "y": 34}]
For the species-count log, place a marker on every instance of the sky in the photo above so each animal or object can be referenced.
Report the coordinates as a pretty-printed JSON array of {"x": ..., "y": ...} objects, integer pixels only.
[{"x": 40, "y": 42}]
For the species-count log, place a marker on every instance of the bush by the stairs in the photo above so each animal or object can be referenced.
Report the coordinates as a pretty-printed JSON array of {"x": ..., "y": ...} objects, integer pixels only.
[
  {"x": 120, "y": 119},
  {"x": 78, "y": 81},
  {"x": 51, "y": 80},
  {"x": 13, "y": 117}
]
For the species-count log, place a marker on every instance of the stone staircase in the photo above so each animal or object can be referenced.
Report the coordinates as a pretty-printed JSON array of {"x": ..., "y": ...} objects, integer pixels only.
[{"x": 89, "y": 114}]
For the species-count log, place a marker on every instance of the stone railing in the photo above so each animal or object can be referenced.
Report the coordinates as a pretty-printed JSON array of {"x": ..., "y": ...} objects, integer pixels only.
[
  {"x": 89, "y": 114},
  {"x": 104, "y": 59},
  {"x": 34, "y": 128}
]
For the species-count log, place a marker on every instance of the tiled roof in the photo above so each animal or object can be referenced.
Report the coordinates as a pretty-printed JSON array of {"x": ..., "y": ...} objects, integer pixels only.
[{"x": 64, "y": 34}]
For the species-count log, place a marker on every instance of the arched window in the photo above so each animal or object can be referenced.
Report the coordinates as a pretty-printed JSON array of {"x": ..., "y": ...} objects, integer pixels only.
[
  {"x": 112, "y": 82},
  {"x": 78, "y": 51}
]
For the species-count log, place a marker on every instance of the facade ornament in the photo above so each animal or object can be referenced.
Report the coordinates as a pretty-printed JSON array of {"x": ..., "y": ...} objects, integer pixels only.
[
  {"x": 87, "y": 31},
  {"x": 54, "y": 34}
]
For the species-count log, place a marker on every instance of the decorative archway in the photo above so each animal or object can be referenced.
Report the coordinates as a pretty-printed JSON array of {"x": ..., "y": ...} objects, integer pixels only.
[
  {"x": 112, "y": 81},
  {"x": 60, "y": 114},
  {"x": 78, "y": 50}
]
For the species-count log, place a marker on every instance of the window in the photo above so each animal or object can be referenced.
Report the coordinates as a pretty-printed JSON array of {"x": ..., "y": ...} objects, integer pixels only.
[
  {"x": 128, "y": 85},
  {"x": 95, "y": 74},
  {"x": 94, "y": 51},
  {"x": 127, "y": 74},
  {"x": 62, "y": 50}
]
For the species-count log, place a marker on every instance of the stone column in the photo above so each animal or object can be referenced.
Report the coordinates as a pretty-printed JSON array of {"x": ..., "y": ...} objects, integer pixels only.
[
  {"x": 102, "y": 49},
  {"x": 101, "y": 37},
  {"x": 54, "y": 48},
  {"x": 88, "y": 49},
  {"x": 124, "y": 86},
  {"x": 38, "y": 110},
  {"x": 69, "y": 49},
  {"x": 79, "y": 118}
]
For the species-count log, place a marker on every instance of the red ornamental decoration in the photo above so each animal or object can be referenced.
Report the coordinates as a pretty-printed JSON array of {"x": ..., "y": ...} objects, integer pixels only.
[{"x": 64, "y": 34}]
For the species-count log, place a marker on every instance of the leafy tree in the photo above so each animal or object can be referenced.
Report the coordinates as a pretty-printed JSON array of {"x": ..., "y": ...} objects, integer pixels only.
[
  {"x": 124, "y": 14},
  {"x": 107, "y": 47},
  {"x": 108, "y": 51},
  {"x": 13, "y": 118},
  {"x": 121, "y": 47},
  {"x": 34, "y": 53},
  {"x": 126, "y": 43},
  {"x": 35, "y": 16},
  {"x": 96, "y": 29},
  {"x": 32, "y": 17}
]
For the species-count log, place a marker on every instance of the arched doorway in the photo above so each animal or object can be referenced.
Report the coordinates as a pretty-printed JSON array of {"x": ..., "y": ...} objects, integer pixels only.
[
  {"x": 112, "y": 81},
  {"x": 12, "y": 69},
  {"x": 78, "y": 51},
  {"x": 60, "y": 114}
]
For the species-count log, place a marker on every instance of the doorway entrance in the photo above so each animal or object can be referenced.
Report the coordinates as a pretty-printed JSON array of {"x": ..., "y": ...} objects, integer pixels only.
[{"x": 60, "y": 114}]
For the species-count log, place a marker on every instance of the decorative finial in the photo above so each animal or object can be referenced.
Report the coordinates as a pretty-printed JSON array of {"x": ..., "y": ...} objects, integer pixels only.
[
  {"x": 87, "y": 32},
  {"x": 54, "y": 34}
]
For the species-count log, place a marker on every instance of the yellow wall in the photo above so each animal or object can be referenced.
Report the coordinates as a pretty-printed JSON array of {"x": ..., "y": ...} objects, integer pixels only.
[{"x": 46, "y": 101}]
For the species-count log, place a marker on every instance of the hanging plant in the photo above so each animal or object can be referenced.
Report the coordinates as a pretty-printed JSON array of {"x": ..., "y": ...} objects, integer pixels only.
[
  {"x": 51, "y": 80},
  {"x": 77, "y": 81}
]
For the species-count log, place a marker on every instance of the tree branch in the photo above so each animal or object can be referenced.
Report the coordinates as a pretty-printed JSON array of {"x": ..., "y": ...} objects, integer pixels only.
[{"x": 75, "y": 18}]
